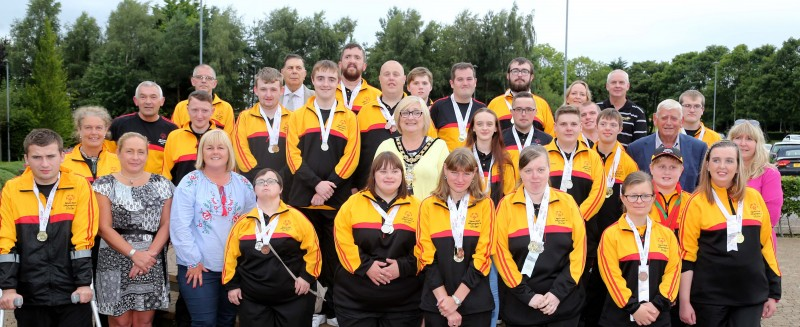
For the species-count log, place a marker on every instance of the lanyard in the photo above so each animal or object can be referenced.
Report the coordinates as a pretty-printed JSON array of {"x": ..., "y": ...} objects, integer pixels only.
[
  {"x": 702, "y": 132},
  {"x": 566, "y": 177},
  {"x": 528, "y": 139},
  {"x": 264, "y": 231},
  {"x": 536, "y": 224},
  {"x": 733, "y": 222},
  {"x": 487, "y": 176},
  {"x": 669, "y": 217},
  {"x": 44, "y": 210},
  {"x": 390, "y": 123},
  {"x": 644, "y": 253},
  {"x": 585, "y": 141},
  {"x": 388, "y": 219},
  {"x": 353, "y": 94},
  {"x": 274, "y": 130},
  {"x": 612, "y": 172},
  {"x": 458, "y": 218},
  {"x": 461, "y": 120},
  {"x": 325, "y": 128}
]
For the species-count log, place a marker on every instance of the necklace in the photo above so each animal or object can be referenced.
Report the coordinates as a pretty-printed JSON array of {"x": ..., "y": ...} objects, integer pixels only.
[{"x": 131, "y": 179}]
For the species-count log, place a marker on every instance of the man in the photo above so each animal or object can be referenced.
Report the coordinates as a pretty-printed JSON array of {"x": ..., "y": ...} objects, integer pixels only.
[
  {"x": 520, "y": 76},
  {"x": 668, "y": 121},
  {"x": 323, "y": 152},
  {"x": 420, "y": 83},
  {"x": 376, "y": 120},
  {"x": 634, "y": 122},
  {"x": 204, "y": 78},
  {"x": 147, "y": 122},
  {"x": 295, "y": 94},
  {"x": 353, "y": 91},
  {"x": 693, "y": 103},
  {"x": 180, "y": 152},
  {"x": 617, "y": 165},
  {"x": 260, "y": 135},
  {"x": 45, "y": 249},
  {"x": 523, "y": 134},
  {"x": 573, "y": 166},
  {"x": 451, "y": 115},
  {"x": 589, "y": 112}
]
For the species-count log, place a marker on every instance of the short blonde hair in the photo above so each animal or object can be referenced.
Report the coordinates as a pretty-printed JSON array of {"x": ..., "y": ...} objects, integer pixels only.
[
  {"x": 132, "y": 135},
  {"x": 581, "y": 82},
  {"x": 215, "y": 137},
  {"x": 403, "y": 105},
  {"x": 90, "y": 111}
]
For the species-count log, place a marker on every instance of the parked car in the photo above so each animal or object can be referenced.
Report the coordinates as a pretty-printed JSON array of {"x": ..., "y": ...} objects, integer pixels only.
[
  {"x": 791, "y": 137},
  {"x": 787, "y": 159},
  {"x": 773, "y": 151}
]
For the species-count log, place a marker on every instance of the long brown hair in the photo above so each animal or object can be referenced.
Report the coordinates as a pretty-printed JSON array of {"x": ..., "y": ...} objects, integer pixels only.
[
  {"x": 460, "y": 159},
  {"x": 499, "y": 152},
  {"x": 389, "y": 160},
  {"x": 739, "y": 183}
]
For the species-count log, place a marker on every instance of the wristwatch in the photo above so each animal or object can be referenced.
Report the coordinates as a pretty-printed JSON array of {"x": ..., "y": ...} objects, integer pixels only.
[{"x": 456, "y": 300}]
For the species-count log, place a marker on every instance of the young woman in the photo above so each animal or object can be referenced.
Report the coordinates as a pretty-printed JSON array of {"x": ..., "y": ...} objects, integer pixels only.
[
  {"x": 536, "y": 221},
  {"x": 730, "y": 272},
  {"x": 454, "y": 242},
  {"x": 494, "y": 163},
  {"x": 268, "y": 274},
  {"x": 375, "y": 234},
  {"x": 639, "y": 260}
]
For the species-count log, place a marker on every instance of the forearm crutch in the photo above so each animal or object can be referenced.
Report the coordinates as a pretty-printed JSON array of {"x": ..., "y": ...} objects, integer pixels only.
[
  {"x": 17, "y": 303},
  {"x": 95, "y": 313}
]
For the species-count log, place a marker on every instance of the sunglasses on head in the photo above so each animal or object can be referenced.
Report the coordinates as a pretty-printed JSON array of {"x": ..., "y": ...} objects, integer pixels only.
[{"x": 751, "y": 121}]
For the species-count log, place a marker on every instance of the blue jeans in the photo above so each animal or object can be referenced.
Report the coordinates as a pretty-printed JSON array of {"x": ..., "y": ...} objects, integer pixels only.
[
  {"x": 495, "y": 294},
  {"x": 208, "y": 304}
]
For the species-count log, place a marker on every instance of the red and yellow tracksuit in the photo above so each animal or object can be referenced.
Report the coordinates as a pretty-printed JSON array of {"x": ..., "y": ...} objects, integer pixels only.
[
  {"x": 539, "y": 137},
  {"x": 618, "y": 258},
  {"x": 709, "y": 137},
  {"x": 222, "y": 117},
  {"x": 558, "y": 269},
  {"x": 360, "y": 242},
  {"x": 544, "y": 115},
  {"x": 107, "y": 163},
  {"x": 251, "y": 145},
  {"x": 372, "y": 127},
  {"x": 508, "y": 177},
  {"x": 729, "y": 278},
  {"x": 180, "y": 153},
  {"x": 612, "y": 206},
  {"x": 667, "y": 208},
  {"x": 366, "y": 95},
  {"x": 444, "y": 120},
  {"x": 435, "y": 248},
  {"x": 589, "y": 183},
  {"x": 46, "y": 273}
]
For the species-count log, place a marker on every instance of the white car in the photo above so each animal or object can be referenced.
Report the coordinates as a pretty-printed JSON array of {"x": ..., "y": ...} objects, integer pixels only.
[{"x": 791, "y": 137}]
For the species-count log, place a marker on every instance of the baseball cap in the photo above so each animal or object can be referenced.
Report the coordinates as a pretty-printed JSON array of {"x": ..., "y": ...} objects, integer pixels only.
[{"x": 671, "y": 152}]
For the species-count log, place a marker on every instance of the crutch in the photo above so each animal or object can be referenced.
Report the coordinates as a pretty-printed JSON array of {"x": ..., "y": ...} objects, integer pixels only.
[
  {"x": 77, "y": 298},
  {"x": 17, "y": 303}
]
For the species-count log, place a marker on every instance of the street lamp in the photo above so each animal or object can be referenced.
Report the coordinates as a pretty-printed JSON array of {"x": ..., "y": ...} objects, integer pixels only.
[
  {"x": 714, "y": 119},
  {"x": 201, "y": 32},
  {"x": 566, "y": 37},
  {"x": 8, "y": 112}
]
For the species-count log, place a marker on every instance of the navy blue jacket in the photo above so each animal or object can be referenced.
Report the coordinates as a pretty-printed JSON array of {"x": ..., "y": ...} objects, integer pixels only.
[{"x": 692, "y": 151}]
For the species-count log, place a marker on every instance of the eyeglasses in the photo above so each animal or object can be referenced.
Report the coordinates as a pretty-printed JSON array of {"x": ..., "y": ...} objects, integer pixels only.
[
  {"x": 524, "y": 110},
  {"x": 415, "y": 114},
  {"x": 751, "y": 121},
  {"x": 204, "y": 78},
  {"x": 517, "y": 71},
  {"x": 695, "y": 106},
  {"x": 267, "y": 182},
  {"x": 635, "y": 197}
]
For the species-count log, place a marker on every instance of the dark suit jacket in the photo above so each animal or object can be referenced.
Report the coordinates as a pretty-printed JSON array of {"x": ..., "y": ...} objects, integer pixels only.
[{"x": 692, "y": 151}]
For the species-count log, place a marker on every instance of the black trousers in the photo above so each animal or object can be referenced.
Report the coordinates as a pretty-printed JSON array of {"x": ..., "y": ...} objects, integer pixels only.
[
  {"x": 596, "y": 293},
  {"x": 292, "y": 313},
  {"x": 709, "y": 315},
  {"x": 481, "y": 319},
  {"x": 358, "y": 318},
  {"x": 322, "y": 220},
  {"x": 68, "y": 315},
  {"x": 571, "y": 322}
]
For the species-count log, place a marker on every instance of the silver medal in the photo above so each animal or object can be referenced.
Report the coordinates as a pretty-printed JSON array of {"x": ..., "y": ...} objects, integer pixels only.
[
  {"x": 387, "y": 229},
  {"x": 536, "y": 247},
  {"x": 259, "y": 245},
  {"x": 568, "y": 184},
  {"x": 324, "y": 146}
]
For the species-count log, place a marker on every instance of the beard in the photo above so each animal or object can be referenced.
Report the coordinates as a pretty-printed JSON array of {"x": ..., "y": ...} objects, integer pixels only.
[
  {"x": 519, "y": 86},
  {"x": 351, "y": 76}
]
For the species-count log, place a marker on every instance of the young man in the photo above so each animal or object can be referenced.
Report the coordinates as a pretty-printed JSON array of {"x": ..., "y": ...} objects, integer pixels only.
[
  {"x": 633, "y": 119},
  {"x": 573, "y": 166},
  {"x": 420, "y": 83},
  {"x": 204, "y": 78},
  {"x": 451, "y": 115},
  {"x": 353, "y": 91},
  {"x": 523, "y": 133},
  {"x": 617, "y": 166},
  {"x": 520, "y": 76},
  {"x": 322, "y": 153},
  {"x": 295, "y": 94},
  {"x": 693, "y": 103},
  {"x": 147, "y": 122},
  {"x": 180, "y": 152},
  {"x": 47, "y": 228},
  {"x": 589, "y": 112},
  {"x": 260, "y": 134}
]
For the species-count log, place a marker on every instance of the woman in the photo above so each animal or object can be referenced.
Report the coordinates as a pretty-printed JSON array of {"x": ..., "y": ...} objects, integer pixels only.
[
  {"x": 134, "y": 225},
  {"x": 539, "y": 292},
  {"x": 267, "y": 274},
  {"x": 639, "y": 261},
  {"x": 494, "y": 163},
  {"x": 422, "y": 155},
  {"x": 577, "y": 94},
  {"x": 90, "y": 157},
  {"x": 760, "y": 174},
  {"x": 730, "y": 272},
  {"x": 375, "y": 234},
  {"x": 454, "y": 242},
  {"x": 206, "y": 204}
]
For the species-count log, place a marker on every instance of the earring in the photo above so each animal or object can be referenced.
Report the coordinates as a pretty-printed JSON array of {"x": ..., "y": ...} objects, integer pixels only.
[{"x": 445, "y": 177}]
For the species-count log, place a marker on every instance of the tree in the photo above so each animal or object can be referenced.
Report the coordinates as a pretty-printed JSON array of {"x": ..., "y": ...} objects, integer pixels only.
[
  {"x": 82, "y": 39},
  {"x": 25, "y": 35},
  {"x": 227, "y": 53},
  {"x": 402, "y": 39},
  {"x": 46, "y": 94}
]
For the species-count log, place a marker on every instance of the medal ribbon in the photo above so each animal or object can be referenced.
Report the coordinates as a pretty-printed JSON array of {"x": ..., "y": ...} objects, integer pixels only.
[
  {"x": 264, "y": 231},
  {"x": 733, "y": 222},
  {"x": 567, "y": 174},
  {"x": 274, "y": 130},
  {"x": 669, "y": 218},
  {"x": 44, "y": 210},
  {"x": 461, "y": 120},
  {"x": 458, "y": 218},
  {"x": 487, "y": 176},
  {"x": 353, "y": 94},
  {"x": 613, "y": 171},
  {"x": 388, "y": 219},
  {"x": 536, "y": 224},
  {"x": 644, "y": 253},
  {"x": 324, "y": 128},
  {"x": 386, "y": 114},
  {"x": 528, "y": 139},
  {"x": 585, "y": 141}
]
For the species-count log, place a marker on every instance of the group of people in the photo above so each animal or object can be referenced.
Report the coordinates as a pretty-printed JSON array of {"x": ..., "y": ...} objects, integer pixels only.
[{"x": 377, "y": 207}]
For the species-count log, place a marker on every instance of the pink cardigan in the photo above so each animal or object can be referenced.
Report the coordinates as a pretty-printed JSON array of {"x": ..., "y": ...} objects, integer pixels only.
[{"x": 769, "y": 185}]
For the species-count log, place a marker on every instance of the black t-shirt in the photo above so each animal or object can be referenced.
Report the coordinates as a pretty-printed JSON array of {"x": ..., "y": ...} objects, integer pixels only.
[
  {"x": 156, "y": 132},
  {"x": 45, "y": 189}
]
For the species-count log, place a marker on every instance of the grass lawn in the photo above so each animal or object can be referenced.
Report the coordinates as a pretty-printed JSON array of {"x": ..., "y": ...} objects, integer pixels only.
[{"x": 9, "y": 170}]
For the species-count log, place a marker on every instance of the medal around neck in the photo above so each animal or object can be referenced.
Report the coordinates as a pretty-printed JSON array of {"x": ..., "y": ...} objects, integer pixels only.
[
  {"x": 41, "y": 236},
  {"x": 387, "y": 229},
  {"x": 568, "y": 184},
  {"x": 324, "y": 147},
  {"x": 642, "y": 276},
  {"x": 458, "y": 255},
  {"x": 536, "y": 247},
  {"x": 609, "y": 192},
  {"x": 739, "y": 238},
  {"x": 274, "y": 149}
]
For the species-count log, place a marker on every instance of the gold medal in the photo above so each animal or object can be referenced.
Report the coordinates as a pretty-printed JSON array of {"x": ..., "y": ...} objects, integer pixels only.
[
  {"x": 274, "y": 148},
  {"x": 642, "y": 276},
  {"x": 458, "y": 255},
  {"x": 42, "y": 236},
  {"x": 609, "y": 192},
  {"x": 739, "y": 238}
]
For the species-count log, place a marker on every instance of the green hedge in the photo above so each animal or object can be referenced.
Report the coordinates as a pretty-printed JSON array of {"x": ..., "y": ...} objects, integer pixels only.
[
  {"x": 791, "y": 195},
  {"x": 9, "y": 170}
]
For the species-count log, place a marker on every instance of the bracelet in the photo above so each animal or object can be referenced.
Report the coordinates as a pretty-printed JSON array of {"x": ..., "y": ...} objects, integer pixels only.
[
  {"x": 456, "y": 300},
  {"x": 130, "y": 254}
]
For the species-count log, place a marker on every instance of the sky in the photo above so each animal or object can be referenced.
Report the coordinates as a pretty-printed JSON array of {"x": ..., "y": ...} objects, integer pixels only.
[{"x": 603, "y": 30}]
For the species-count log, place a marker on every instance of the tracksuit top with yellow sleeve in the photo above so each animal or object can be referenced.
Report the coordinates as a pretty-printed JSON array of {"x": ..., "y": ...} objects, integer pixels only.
[
  {"x": 589, "y": 183},
  {"x": 360, "y": 242},
  {"x": 251, "y": 145},
  {"x": 729, "y": 278},
  {"x": 618, "y": 259},
  {"x": 107, "y": 163},
  {"x": 310, "y": 165},
  {"x": 558, "y": 269},
  {"x": 46, "y": 273},
  {"x": 539, "y": 137},
  {"x": 508, "y": 177},
  {"x": 612, "y": 206},
  {"x": 709, "y": 137},
  {"x": 444, "y": 119},
  {"x": 366, "y": 95},
  {"x": 544, "y": 115},
  {"x": 435, "y": 249},
  {"x": 180, "y": 152},
  {"x": 222, "y": 116},
  {"x": 372, "y": 127},
  {"x": 261, "y": 277},
  {"x": 667, "y": 208}
]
